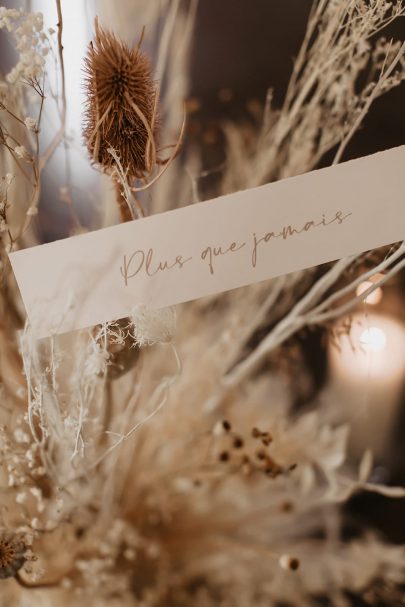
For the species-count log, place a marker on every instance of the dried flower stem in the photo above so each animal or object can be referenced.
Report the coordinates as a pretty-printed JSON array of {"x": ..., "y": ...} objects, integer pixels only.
[
  {"x": 41, "y": 161},
  {"x": 301, "y": 315},
  {"x": 61, "y": 61},
  {"x": 35, "y": 585}
]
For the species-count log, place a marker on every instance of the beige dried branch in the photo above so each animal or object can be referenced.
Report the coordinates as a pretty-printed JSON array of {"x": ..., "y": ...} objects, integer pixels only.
[
  {"x": 303, "y": 314},
  {"x": 322, "y": 60}
]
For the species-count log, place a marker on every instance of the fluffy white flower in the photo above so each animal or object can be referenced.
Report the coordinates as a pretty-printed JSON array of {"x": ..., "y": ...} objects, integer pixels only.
[
  {"x": 153, "y": 326},
  {"x": 97, "y": 361},
  {"x": 30, "y": 123},
  {"x": 22, "y": 153},
  {"x": 12, "y": 76},
  {"x": 31, "y": 43}
]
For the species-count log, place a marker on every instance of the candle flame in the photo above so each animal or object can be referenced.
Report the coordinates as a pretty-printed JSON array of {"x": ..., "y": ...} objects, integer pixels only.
[{"x": 373, "y": 339}]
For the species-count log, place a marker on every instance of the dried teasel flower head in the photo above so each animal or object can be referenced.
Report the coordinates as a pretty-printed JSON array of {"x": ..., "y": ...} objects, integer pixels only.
[
  {"x": 12, "y": 555},
  {"x": 121, "y": 110}
]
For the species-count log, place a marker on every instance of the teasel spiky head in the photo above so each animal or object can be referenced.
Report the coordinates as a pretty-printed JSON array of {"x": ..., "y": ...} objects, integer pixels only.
[{"x": 121, "y": 111}]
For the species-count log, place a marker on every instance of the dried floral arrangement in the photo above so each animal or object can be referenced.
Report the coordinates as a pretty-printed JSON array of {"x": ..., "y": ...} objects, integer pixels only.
[{"x": 156, "y": 460}]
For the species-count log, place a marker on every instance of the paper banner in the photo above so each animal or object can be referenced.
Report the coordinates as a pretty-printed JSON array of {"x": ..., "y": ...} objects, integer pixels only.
[{"x": 214, "y": 246}]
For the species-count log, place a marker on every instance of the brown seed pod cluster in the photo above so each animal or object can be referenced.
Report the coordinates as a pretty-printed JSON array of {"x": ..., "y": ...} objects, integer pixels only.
[
  {"x": 239, "y": 455},
  {"x": 121, "y": 111},
  {"x": 12, "y": 555}
]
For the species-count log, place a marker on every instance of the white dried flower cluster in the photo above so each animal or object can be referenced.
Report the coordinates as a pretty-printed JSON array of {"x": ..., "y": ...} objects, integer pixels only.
[
  {"x": 97, "y": 360},
  {"x": 380, "y": 11},
  {"x": 22, "y": 153},
  {"x": 153, "y": 326},
  {"x": 31, "y": 42},
  {"x": 383, "y": 53},
  {"x": 31, "y": 124}
]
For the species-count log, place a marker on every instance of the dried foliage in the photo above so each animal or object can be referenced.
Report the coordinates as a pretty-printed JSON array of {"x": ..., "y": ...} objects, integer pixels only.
[
  {"x": 144, "y": 464},
  {"x": 337, "y": 75}
]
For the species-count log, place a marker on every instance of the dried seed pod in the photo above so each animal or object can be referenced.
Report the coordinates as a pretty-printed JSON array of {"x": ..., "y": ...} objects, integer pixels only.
[
  {"x": 221, "y": 428},
  {"x": 288, "y": 562},
  {"x": 238, "y": 442},
  {"x": 121, "y": 106},
  {"x": 12, "y": 555}
]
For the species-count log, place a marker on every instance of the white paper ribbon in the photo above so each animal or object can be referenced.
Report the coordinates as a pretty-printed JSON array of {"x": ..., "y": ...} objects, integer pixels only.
[{"x": 214, "y": 246}]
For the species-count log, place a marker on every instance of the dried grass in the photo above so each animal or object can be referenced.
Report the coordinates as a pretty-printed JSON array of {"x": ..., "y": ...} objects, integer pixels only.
[{"x": 147, "y": 467}]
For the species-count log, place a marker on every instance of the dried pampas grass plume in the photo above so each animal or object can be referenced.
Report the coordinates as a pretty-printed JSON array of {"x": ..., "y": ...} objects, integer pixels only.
[{"x": 121, "y": 106}]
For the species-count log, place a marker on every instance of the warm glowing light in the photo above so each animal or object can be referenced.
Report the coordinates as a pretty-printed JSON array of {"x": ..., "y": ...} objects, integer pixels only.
[
  {"x": 373, "y": 339},
  {"x": 367, "y": 373},
  {"x": 374, "y": 297},
  {"x": 373, "y": 348}
]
